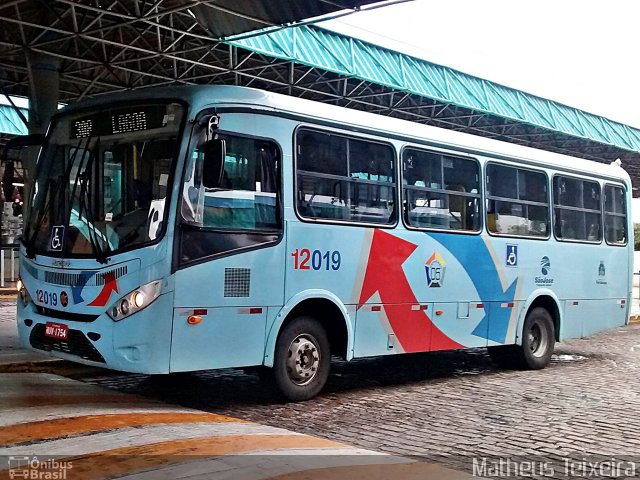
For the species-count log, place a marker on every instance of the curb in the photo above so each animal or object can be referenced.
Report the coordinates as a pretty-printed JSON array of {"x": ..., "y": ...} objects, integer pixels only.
[{"x": 26, "y": 366}]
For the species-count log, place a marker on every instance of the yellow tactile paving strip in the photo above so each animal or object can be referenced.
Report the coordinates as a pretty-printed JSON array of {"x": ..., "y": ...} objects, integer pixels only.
[{"x": 145, "y": 438}]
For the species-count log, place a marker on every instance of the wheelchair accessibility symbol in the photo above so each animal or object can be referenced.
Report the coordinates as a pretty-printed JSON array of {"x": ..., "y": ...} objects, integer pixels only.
[
  {"x": 512, "y": 256},
  {"x": 57, "y": 238}
]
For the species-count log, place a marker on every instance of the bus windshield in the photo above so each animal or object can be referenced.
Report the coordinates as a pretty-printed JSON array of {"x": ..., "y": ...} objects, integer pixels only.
[{"x": 102, "y": 179}]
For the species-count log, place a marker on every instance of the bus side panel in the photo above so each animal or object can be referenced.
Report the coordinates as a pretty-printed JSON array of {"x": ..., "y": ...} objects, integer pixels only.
[
  {"x": 477, "y": 295},
  {"x": 325, "y": 257},
  {"x": 592, "y": 281},
  {"x": 587, "y": 317},
  {"x": 394, "y": 277},
  {"x": 226, "y": 337},
  {"x": 231, "y": 295},
  {"x": 460, "y": 318}
]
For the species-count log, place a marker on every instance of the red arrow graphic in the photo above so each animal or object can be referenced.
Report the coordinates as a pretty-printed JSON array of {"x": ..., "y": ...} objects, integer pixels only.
[
  {"x": 413, "y": 328},
  {"x": 110, "y": 285}
]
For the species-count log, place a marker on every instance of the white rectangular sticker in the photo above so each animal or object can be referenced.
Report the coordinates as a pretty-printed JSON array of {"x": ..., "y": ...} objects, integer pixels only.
[{"x": 162, "y": 181}]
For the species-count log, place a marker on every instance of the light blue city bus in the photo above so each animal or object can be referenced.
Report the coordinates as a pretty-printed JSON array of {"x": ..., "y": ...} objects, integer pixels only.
[{"x": 207, "y": 227}]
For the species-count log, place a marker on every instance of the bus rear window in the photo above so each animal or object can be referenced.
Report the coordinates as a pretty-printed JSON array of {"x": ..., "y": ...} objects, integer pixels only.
[{"x": 615, "y": 215}]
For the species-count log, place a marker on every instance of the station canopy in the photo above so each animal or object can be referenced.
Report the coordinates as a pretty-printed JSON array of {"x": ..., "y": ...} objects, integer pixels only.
[{"x": 103, "y": 46}]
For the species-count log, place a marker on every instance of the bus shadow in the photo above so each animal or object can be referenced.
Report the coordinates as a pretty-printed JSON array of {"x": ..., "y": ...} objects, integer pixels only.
[{"x": 227, "y": 389}]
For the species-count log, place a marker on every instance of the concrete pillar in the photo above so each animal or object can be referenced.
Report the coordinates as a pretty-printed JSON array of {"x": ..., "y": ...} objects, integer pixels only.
[
  {"x": 43, "y": 103},
  {"x": 45, "y": 91}
]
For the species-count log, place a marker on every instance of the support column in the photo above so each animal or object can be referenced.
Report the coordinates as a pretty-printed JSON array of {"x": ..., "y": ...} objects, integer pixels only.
[{"x": 44, "y": 80}]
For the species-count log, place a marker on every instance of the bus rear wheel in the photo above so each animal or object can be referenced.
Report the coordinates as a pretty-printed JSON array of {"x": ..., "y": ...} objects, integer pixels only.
[
  {"x": 538, "y": 342},
  {"x": 302, "y": 359}
]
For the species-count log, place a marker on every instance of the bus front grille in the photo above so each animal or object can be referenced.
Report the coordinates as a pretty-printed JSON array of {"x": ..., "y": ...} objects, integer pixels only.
[
  {"x": 62, "y": 315},
  {"x": 88, "y": 279},
  {"x": 76, "y": 344}
]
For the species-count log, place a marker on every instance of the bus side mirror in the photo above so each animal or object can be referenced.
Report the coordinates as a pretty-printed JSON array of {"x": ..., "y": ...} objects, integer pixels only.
[
  {"x": 16, "y": 143},
  {"x": 213, "y": 169}
]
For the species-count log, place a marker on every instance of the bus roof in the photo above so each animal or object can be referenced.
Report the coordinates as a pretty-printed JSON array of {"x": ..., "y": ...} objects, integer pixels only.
[{"x": 201, "y": 96}]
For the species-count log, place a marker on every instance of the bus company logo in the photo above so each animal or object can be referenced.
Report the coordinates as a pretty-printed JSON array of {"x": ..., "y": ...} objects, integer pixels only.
[
  {"x": 545, "y": 269},
  {"x": 64, "y": 299},
  {"x": 602, "y": 274},
  {"x": 545, "y": 265},
  {"x": 61, "y": 263},
  {"x": 435, "y": 268}
]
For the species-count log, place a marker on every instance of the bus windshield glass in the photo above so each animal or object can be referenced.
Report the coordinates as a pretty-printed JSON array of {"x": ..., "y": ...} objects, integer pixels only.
[{"x": 102, "y": 180}]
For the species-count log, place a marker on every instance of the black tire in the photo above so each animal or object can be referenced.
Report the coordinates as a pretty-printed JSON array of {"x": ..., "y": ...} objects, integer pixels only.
[
  {"x": 538, "y": 342},
  {"x": 538, "y": 339},
  {"x": 302, "y": 359}
]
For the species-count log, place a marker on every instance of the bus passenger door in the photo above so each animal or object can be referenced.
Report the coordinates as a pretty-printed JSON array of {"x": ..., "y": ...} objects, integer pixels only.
[
  {"x": 230, "y": 255},
  {"x": 221, "y": 309}
]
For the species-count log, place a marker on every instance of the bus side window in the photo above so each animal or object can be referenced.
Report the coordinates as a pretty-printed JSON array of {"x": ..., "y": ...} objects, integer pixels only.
[
  {"x": 577, "y": 209},
  {"x": 615, "y": 217},
  {"x": 342, "y": 178}
]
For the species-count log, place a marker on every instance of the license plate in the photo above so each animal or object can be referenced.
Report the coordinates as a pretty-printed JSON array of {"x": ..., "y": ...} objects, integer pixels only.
[{"x": 58, "y": 331}]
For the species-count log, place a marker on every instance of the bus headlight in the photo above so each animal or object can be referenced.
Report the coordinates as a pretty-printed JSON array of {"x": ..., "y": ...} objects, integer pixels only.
[
  {"x": 135, "y": 301},
  {"x": 23, "y": 293}
]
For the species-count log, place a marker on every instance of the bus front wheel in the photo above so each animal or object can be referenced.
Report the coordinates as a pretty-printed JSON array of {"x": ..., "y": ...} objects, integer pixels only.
[
  {"x": 538, "y": 342},
  {"x": 302, "y": 359}
]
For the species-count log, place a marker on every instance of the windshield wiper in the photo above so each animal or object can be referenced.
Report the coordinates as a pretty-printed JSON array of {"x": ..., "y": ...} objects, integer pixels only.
[
  {"x": 86, "y": 194},
  {"x": 31, "y": 234}
]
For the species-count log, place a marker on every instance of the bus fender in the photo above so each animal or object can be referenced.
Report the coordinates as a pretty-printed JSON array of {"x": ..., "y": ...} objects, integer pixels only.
[
  {"x": 541, "y": 292},
  {"x": 297, "y": 299}
]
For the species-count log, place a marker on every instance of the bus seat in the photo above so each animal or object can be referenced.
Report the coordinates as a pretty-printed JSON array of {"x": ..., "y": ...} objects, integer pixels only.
[
  {"x": 458, "y": 205},
  {"x": 491, "y": 222}
]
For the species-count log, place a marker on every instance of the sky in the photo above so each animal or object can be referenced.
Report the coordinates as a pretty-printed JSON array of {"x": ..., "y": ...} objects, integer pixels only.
[{"x": 580, "y": 53}]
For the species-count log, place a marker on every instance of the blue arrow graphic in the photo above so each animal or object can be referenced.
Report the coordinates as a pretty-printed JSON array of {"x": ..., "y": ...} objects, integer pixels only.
[
  {"x": 76, "y": 290},
  {"x": 474, "y": 256}
]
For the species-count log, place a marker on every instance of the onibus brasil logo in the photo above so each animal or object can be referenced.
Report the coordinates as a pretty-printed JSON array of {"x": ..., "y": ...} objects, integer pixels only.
[
  {"x": 32, "y": 468},
  {"x": 435, "y": 268}
]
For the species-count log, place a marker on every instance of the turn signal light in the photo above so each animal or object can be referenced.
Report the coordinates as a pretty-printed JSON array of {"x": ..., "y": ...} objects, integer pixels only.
[
  {"x": 22, "y": 292},
  {"x": 194, "y": 319}
]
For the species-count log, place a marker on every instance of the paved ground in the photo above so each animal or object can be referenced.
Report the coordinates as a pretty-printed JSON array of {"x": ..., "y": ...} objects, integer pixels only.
[
  {"x": 54, "y": 427},
  {"x": 444, "y": 407},
  {"x": 10, "y": 351}
]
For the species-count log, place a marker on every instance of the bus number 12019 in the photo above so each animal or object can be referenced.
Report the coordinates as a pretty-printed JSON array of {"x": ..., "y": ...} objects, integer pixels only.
[{"x": 305, "y": 259}]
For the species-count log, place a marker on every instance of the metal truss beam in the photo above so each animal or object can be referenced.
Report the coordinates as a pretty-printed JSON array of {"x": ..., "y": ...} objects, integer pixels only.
[{"x": 114, "y": 45}]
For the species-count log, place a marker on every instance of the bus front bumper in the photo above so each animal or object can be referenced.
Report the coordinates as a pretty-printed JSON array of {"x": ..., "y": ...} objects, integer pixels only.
[{"x": 140, "y": 343}]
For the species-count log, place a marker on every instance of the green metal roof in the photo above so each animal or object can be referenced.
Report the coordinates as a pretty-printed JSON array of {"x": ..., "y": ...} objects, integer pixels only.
[
  {"x": 10, "y": 121},
  {"x": 351, "y": 57}
]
